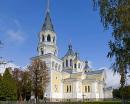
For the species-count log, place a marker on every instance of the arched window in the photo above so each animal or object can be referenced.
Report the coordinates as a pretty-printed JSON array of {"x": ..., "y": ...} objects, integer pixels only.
[
  {"x": 53, "y": 64},
  {"x": 56, "y": 66},
  {"x": 53, "y": 39},
  {"x": 88, "y": 88},
  {"x": 55, "y": 52},
  {"x": 43, "y": 38},
  {"x": 48, "y": 38},
  {"x": 79, "y": 65},
  {"x": 66, "y": 63},
  {"x": 75, "y": 66},
  {"x": 59, "y": 67},
  {"x": 63, "y": 65},
  {"x": 70, "y": 62},
  {"x": 70, "y": 88},
  {"x": 85, "y": 88},
  {"x": 42, "y": 52},
  {"x": 67, "y": 88}
]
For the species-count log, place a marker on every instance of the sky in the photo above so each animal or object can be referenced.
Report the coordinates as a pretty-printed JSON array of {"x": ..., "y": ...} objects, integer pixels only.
[{"x": 75, "y": 20}]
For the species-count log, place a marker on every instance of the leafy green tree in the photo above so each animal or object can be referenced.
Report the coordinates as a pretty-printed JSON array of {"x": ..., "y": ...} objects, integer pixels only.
[
  {"x": 1, "y": 89},
  {"x": 8, "y": 89},
  {"x": 0, "y": 77},
  {"x": 116, "y": 93},
  {"x": 116, "y": 14}
]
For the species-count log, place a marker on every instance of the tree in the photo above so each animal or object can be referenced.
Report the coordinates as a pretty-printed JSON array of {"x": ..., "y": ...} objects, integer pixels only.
[
  {"x": 26, "y": 85},
  {"x": 0, "y": 77},
  {"x": 117, "y": 92},
  {"x": 116, "y": 14},
  {"x": 1, "y": 89},
  {"x": 40, "y": 77},
  {"x": 23, "y": 83},
  {"x": 17, "y": 75},
  {"x": 8, "y": 88}
]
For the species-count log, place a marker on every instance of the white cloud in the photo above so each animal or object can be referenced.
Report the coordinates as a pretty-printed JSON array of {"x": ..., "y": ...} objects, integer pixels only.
[
  {"x": 113, "y": 79},
  {"x": 12, "y": 29},
  {"x": 15, "y": 35},
  {"x": 3, "y": 67}
]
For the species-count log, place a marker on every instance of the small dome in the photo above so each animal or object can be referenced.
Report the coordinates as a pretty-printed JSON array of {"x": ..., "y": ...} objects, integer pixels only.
[
  {"x": 86, "y": 65},
  {"x": 70, "y": 51}
]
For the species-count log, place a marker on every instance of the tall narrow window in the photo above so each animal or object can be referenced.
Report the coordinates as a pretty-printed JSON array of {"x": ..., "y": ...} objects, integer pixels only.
[
  {"x": 43, "y": 38},
  {"x": 88, "y": 88},
  {"x": 54, "y": 39},
  {"x": 79, "y": 65},
  {"x": 70, "y": 88},
  {"x": 59, "y": 67},
  {"x": 42, "y": 52},
  {"x": 66, "y": 63},
  {"x": 75, "y": 66},
  {"x": 55, "y": 52},
  {"x": 48, "y": 38},
  {"x": 53, "y": 64},
  {"x": 67, "y": 88},
  {"x": 63, "y": 65},
  {"x": 70, "y": 62},
  {"x": 85, "y": 88},
  {"x": 56, "y": 66}
]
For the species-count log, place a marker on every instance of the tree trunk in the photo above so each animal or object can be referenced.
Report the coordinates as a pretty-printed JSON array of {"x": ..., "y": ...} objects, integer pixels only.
[
  {"x": 36, "y": 90},
  {"x": 122, "y": 82}
]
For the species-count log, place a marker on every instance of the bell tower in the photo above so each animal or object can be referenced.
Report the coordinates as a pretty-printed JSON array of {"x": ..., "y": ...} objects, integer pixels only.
[{"x": 47, "y": 36}]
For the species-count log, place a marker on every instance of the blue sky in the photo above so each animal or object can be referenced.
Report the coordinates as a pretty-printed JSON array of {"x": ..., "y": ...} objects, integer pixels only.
[{"x": 75, "y": 20}]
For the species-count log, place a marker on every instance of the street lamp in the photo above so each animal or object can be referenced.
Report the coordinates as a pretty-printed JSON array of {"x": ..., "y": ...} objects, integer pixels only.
[{"x": 83, "y": 96}]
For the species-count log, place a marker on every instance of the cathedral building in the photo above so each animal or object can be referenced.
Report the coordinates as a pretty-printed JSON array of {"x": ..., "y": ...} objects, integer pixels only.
[{"x": 70, "y": 77}]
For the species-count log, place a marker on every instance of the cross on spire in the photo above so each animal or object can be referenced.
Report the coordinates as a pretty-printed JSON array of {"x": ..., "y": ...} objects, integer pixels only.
[
  {"x": 70, "y": 45},
  {"x": 48, "y": 5}
]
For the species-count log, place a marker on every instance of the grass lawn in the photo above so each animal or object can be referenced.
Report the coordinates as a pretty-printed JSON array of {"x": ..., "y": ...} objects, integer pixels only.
[{"x": 96, "y": 102}]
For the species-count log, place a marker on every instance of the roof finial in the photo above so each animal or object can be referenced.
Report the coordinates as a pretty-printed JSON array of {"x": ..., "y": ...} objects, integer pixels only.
[
  {"x": 70, "y": 45},
  {"x": 48, "y": 5},
  {"x": 70, "y": 41}
]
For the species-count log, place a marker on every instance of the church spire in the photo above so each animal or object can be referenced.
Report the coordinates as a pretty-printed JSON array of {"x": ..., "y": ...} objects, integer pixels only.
[{"x": 48, "y": 23}]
